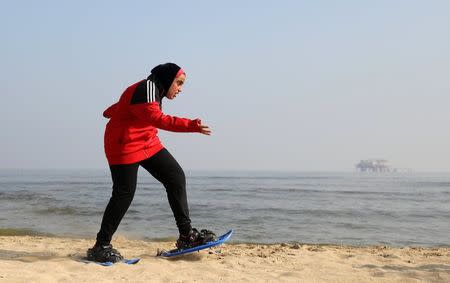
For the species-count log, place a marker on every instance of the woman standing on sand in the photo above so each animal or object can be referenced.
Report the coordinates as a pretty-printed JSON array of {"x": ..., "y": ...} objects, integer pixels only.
[{"x": 131, "y": 141}]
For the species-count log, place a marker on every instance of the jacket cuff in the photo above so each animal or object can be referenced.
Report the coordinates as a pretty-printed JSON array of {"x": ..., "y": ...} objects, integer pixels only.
[{"x": 195, "y": 125}]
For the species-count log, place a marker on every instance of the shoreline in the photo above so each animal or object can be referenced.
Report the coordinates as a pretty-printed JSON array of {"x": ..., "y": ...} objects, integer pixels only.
[
  {"x": 51, "y": 259},
  {"x": 13, "y": 232}
]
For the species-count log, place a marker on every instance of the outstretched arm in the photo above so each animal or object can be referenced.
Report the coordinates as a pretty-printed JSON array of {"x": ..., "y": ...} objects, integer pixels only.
[{"x": 151, "y": 113}]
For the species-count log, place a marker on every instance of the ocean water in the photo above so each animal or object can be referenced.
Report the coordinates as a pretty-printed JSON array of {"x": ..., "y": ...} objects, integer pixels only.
[{"x": 263, "y": 207}]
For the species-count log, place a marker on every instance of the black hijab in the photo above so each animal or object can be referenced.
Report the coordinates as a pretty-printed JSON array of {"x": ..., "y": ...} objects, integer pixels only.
[{"x": 164, "y": 74}]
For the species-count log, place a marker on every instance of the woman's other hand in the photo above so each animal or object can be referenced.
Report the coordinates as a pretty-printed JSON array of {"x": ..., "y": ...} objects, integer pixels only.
[{"x": 205, "y": 130}]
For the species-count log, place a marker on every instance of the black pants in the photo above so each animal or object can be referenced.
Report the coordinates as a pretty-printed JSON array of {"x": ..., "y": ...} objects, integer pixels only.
[{"x": 166, "y": 170}]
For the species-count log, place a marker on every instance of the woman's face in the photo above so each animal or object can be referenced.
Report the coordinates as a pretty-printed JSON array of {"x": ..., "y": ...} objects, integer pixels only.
[{"x": 176, "y": 87}]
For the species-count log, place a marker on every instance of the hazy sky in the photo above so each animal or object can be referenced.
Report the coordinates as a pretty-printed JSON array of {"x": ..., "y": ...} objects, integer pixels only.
[{"x": 285, "y": 85}]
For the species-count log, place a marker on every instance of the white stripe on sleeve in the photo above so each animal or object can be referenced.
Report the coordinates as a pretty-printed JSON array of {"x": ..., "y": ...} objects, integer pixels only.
[
  {"x": 153, "y": 91},
  {"x": 148, "y": 81}
]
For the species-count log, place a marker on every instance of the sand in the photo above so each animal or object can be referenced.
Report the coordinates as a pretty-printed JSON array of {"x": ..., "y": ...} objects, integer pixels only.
[{"x": 52, "y": 259}]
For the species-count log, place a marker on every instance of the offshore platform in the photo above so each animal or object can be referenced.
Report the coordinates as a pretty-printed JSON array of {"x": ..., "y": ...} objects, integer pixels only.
[{"x": 373, "y": 165}]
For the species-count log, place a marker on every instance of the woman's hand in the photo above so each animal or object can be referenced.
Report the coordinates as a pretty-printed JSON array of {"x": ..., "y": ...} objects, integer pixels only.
[{"x": 205, "y": 130}]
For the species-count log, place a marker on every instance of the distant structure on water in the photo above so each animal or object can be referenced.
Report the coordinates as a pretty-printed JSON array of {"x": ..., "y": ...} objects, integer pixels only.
[
  {"x": 373, "y": 165},
  {"x": 379, "y": 165}
]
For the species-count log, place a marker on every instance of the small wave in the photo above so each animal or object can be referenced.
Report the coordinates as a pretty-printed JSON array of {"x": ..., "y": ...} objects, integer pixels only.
[
  {"x": 24, "y": 196},
  {"x": 68, "y": 210},
  {"x": 57, "y": 210},
  {"x": 21, "y": 232},
  {"x": 132, "y": 211},
  {"x": 264, "y": 177},
  {"x": 52, "y": 183},
  {"x": 435, "y": 184}
]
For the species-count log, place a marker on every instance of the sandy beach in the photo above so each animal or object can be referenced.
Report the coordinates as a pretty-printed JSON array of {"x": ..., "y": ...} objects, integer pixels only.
[{"x": 53, "y": 259}]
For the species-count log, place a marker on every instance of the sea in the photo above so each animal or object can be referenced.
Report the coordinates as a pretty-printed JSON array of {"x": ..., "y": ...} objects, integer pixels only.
[{"x": 395, "y": 209}]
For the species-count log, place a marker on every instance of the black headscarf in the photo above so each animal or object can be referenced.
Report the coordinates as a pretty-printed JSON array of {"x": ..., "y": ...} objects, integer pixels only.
[{"x": 164, "y": 74}]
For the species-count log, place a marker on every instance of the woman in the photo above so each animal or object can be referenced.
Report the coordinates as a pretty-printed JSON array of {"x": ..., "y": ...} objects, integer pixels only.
[{"x": 131, "y": 141}]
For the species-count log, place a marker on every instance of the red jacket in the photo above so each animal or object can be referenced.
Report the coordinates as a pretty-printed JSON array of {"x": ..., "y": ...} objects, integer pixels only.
[{"x": 131, "y": 134}]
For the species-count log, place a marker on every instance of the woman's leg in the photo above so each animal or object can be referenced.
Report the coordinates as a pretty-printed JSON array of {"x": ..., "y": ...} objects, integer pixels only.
[
  {"x": 124, "y": 179},
  {"x": 166, "y": 170}
]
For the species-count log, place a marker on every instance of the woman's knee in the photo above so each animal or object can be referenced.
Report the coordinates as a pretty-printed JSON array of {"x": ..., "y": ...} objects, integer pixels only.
[{"x": 123, "y": 192}]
